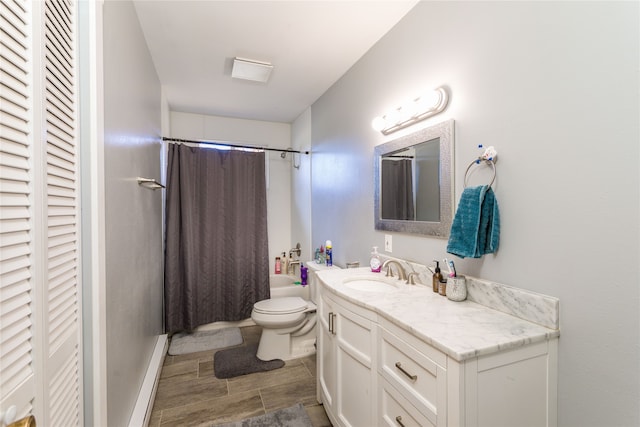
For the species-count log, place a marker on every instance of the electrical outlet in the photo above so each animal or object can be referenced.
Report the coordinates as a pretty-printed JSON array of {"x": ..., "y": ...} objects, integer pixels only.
[{"x": 388, "y": 243}]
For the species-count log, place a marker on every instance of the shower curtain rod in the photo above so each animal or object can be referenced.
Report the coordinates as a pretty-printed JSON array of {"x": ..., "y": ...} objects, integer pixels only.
[{"x": 227, "y": 144}]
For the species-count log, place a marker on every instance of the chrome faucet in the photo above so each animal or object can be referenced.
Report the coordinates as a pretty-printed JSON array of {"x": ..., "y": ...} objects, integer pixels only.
[
  {"x": 411, "y": 278},
  {"x": 402, "y": 275},
  {"x": 295, "y": 250},
  {"x": 291, "y": 266}
]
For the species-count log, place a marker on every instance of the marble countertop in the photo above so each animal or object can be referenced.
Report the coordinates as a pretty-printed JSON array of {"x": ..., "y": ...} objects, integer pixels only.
[{"x": 461, "y": 330}]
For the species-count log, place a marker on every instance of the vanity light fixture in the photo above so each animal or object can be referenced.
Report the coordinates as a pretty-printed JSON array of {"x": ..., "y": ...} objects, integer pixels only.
[
  {"x": 249, "y": 69},
  {"x": 426, "y": 105}
]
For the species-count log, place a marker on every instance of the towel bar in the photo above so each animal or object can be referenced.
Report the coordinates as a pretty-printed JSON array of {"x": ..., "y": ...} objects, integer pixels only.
[
  {"x": 149, "y": 183},
  {"x": 477, "y": 162}
]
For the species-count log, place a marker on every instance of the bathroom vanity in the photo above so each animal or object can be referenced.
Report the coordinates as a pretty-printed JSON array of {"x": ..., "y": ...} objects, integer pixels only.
[{"x": 392, "y": 354}]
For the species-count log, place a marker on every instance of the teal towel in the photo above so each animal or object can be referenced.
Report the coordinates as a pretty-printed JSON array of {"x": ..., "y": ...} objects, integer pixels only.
[{"x": 476, "y": 226}]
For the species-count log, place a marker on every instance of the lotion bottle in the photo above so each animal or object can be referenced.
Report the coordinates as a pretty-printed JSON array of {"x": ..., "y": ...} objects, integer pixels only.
[
  {"x": 284, "y": 263},
  {"x": 437, "y": 277},
  {"x": 278, "y": 265},
  {"x": 375, "y": 263}
]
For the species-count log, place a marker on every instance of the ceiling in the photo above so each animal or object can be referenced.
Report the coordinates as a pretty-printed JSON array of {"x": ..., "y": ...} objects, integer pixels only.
[{"x": 311, "y": 44}]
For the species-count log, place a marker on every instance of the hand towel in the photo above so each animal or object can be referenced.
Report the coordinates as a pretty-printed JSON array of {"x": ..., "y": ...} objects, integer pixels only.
[{"x": 476, "y": 226}]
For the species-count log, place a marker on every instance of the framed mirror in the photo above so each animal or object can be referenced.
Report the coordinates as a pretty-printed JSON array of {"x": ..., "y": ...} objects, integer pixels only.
[{"x": 414, "y": 182}]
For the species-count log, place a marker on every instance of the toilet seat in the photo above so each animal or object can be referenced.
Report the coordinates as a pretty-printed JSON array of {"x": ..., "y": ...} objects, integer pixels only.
[{"x": 285, "y": 305}]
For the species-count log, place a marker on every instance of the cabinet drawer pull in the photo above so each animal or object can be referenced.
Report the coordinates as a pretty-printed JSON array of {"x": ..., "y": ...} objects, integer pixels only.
[
  {"x": 412, "y": 377},
  {"x": 399, "y": 421},
  {"x": 331, "y": 323}
]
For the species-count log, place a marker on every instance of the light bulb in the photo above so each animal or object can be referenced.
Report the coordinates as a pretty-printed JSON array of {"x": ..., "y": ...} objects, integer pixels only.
[
  {"x": 429, "y": 100},
  {"x": 378, "y": 123},
  {"x": 394, "y": 116}
]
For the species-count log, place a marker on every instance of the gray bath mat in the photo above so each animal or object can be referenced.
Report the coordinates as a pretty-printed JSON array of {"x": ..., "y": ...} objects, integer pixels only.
[
  {"x": 184, "y": 343},
  {"x": 238, "y": 361},
  {"x": 294, "y": 416}
]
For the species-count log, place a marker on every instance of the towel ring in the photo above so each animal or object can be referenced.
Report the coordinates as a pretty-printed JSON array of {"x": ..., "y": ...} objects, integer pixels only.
[{"x": 477, "y": 162}]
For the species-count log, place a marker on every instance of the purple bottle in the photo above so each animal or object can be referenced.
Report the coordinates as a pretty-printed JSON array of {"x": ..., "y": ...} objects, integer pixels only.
[{"x": 303, "y": 275}]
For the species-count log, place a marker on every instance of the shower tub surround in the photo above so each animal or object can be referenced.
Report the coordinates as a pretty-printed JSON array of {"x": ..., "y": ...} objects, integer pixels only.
[
  {"x": 489, "y": 360},
  {"x": 287, "y": 285}
]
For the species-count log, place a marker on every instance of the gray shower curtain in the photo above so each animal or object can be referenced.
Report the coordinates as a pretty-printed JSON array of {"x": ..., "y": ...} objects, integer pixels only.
[
  {"x": 216, "y": 260},
  {"x": 397, "y": 189}
]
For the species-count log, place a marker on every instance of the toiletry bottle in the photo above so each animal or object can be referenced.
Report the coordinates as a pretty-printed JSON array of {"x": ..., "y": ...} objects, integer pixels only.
[
  {"x": 375, "y": 263},
  {"x": 303, "y": 275},
  {"x": 278, "y": 265},
  {"x": 442, "y": 287},
  {"x": 284, "y": 263},
  {"x": 328, "y": 247},
  {"x": 437, "y": 276}
]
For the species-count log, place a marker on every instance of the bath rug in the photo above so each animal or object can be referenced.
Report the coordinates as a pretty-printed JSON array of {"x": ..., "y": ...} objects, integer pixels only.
[
  {"x": 237, "y": 361},
  {"x": 183, "y": 343},
  {"x": 294, "y": 416}
]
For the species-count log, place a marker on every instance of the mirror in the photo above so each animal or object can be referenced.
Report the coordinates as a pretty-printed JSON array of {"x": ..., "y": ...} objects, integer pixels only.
[{"x": 413, "y": 182}]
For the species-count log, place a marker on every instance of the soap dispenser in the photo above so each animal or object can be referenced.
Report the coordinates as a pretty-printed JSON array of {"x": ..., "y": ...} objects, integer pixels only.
[
  {"x": 437, "y": 277},
  {"x": 285, "y": 266},
  {"x": 375, "y": 263}
]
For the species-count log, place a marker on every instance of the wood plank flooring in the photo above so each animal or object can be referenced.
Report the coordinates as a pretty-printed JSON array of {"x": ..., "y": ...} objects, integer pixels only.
[{"x": 190, "y": 395}]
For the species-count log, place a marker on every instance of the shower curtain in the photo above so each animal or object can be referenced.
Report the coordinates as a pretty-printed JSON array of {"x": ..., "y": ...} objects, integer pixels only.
[
  {"x": 397, "y": 189},
  {"x": 216, "y": 259}
]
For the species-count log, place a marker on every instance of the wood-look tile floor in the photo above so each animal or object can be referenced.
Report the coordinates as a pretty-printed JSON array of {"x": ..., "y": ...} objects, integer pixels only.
[{"x": 189, "y": 394}]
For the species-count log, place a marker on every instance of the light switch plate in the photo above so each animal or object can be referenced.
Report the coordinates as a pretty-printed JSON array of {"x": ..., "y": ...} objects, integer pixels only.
[{"x": 388, "y": 243}]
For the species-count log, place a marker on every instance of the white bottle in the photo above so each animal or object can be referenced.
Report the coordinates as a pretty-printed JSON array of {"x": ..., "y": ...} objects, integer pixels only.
[
  {"x": 375, "y": 263},
  {"x": 285, "y": 264}
]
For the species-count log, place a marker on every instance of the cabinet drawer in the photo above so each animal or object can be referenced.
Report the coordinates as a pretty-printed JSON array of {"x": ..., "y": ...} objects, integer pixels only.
[
  {"x": 418, "y": 378},
  {"x": 395, "y": 411}
]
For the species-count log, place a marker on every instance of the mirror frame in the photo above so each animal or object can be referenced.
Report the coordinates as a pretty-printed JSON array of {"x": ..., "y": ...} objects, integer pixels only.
[{"x": 439, "y": 229}]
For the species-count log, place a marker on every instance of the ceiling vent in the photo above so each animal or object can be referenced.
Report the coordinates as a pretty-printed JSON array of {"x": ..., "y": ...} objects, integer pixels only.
[{"x": 248, "y": 69}]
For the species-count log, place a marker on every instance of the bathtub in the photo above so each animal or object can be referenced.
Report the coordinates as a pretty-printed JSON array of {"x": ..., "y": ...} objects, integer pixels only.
[{"x": 282, "y": 285}]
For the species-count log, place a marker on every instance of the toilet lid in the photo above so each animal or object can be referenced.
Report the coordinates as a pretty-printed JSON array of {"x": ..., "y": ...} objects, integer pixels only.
[{"x": 284, "y": 305}]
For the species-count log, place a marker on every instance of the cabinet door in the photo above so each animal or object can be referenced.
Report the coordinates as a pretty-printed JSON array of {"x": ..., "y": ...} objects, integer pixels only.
[
  {"x": 355, "y": 382},
  {"x": 326, "y": 359},
  {"x": 514, "y": 387}
]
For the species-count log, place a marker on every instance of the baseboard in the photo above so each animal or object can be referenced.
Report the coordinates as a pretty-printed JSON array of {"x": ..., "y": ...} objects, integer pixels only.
[{"x": 144, "y": 404}]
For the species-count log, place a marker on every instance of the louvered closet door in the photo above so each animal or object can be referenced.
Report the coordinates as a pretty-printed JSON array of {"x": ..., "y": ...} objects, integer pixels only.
[
  {"x": 17, "y": 305},
  {"x": 62, "y": 314},
  {"x": 40, "y": 272}
]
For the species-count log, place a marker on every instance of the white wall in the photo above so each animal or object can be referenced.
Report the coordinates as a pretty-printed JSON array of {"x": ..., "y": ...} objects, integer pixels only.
[
  {"x": 301, "y": 186},
  {"x": 133, "y": 215},
  {"x": 259, "y": 133},
  {"x": 554, "y": 86}
]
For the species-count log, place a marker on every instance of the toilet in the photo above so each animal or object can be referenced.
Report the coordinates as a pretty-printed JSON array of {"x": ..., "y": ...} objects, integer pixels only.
[{"x": 288, "y": 327}]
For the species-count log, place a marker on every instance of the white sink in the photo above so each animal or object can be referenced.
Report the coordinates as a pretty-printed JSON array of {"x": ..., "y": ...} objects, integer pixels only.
[{"x": 369, "y": 284}]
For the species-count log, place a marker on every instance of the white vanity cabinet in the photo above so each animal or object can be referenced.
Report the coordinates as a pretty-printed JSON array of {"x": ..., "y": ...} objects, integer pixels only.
[
  {"x": 373, "y": 371},
  {"x": 346, "y": 362}
]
